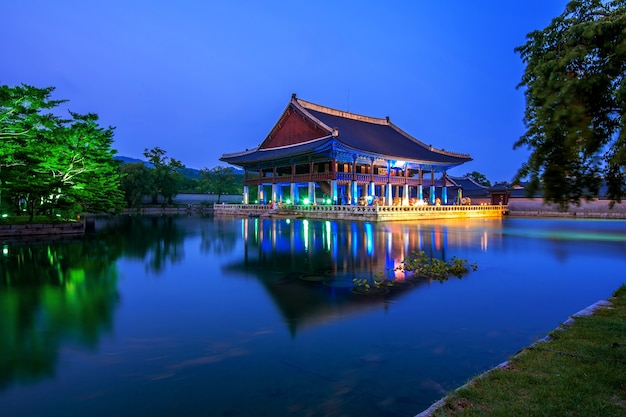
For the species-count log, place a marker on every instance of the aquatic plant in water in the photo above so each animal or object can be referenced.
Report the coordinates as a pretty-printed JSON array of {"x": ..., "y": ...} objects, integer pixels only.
[
  {"x": 420, "y": 265},
  {"x": 378, "y": 285}
]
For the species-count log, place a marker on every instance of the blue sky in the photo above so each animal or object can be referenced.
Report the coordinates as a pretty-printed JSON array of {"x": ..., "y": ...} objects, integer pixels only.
[{"x": 203, "y": 78}]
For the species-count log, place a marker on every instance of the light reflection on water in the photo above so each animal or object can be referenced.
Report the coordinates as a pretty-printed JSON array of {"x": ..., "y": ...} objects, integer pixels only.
[{"x": 235, "y": 317}]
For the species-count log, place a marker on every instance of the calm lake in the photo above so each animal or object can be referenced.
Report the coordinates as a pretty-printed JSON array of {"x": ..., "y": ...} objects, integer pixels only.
[{"x": 202, "y": 316}]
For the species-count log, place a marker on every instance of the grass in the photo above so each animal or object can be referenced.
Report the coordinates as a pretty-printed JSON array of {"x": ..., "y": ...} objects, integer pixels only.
[
  {"x": 36, "y": 220},
  {"x": 580, "y": 371}
]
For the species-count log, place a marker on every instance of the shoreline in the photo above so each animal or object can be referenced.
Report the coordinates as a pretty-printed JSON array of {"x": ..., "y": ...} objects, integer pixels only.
[{"x": 588, "y": 311}]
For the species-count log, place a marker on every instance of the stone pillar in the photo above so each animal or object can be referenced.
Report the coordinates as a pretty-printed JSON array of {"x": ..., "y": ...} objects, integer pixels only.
[
  {"x": 444, "y": 195},
  {"x": 355, "y": 193},
  {"x": 312, "y": 192},
  {"x": 420, "y": 192},
  {"x": 246, "y": 194},
  {"x": 293, "y": 188},
  {"x": 405, "y": 195},
  {"x": 261, "y": 194},
  {"x": 333, "y": 191},
  {"x": 274, "y": 196},
  {"x": 388, "y": 197},
  {"x": 349, "y": 193},
  {"x": 432, "y": 186}
]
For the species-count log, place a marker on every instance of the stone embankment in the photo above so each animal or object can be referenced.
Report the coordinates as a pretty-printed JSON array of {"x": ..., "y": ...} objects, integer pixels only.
[
  {"x": 430, "y": 411},
  {"x": 57, "y": 229},
  {"x": 587, "y": 210},
  {"x": 367, "y": 213}
]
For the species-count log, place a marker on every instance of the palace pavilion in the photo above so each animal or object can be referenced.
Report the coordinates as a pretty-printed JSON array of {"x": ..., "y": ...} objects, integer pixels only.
[{"x": 316, "y": 153}]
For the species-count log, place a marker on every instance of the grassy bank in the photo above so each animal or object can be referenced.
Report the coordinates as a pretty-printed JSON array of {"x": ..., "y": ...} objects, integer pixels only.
[
  {"x": 35, "y": 220},
  {"x": 579, "y": 371}
]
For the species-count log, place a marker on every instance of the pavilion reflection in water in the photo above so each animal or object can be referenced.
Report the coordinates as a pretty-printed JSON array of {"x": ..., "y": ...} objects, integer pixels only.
[{"x": 308, "y": 267}]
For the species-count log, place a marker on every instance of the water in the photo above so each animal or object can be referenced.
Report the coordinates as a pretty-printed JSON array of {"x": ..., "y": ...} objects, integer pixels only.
[{"x": 196, "y": 316}]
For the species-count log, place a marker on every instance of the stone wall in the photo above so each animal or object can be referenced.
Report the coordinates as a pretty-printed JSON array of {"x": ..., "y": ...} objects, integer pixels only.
[
  {"x": 525, "y": 207},
  {"x": 20, "y": 230}
]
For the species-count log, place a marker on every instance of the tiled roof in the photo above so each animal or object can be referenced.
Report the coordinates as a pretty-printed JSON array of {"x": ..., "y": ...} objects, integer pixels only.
[
  {"x": 385, "y": 139},
  {"x": 256, "y": 154},
  {"x": 366, "y": 134},
  {"x": 470, "y": 187}
]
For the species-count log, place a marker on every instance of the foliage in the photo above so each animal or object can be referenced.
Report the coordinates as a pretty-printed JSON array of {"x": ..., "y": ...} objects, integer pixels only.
[
  {"x": 421, "y": 265},
  {"x": 136, "y": 182},
  {"x": 221, "y": 180},
  {"x": 575, "y": 101},
  {"x": 378, "y": 285},
  {"x": 166, "y": 178},
  {"x": 53, "y": 165},
  {"x": 190, "y": 185},
  {"x": 479, "y": 178},
  {"x": 434, "y": 268}
]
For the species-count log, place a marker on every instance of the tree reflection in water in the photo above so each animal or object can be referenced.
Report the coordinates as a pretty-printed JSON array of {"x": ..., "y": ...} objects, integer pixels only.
[
  {"x": 52, "y": 293},
  {"x": 156, "y": 239}
]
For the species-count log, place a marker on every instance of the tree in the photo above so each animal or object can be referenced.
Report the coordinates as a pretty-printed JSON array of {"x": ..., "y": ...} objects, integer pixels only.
[
  {"x": 50, "y": 164},
  {"x": 166, "y": 178},
  {"x": 479, "y": 178},
  {"x": 221, "y": 180},
  {"x": 136, "y": 182},
  {"x": 575, "y": 82},
  {"x": 22, "y": 114},
  {"x": 85, "y": 167}
]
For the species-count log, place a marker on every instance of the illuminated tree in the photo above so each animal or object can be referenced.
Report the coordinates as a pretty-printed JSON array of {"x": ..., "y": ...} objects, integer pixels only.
[
  {"x": 575, "y": 87},
  {"x": 23, "y": 112},
  {"x": 49, "y": 164}
]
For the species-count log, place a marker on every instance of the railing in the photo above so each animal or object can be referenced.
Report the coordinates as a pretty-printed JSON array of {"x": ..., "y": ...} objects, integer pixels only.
[
  {"x": 341, "y": 176},
  {"x": 401, "y": 209}
]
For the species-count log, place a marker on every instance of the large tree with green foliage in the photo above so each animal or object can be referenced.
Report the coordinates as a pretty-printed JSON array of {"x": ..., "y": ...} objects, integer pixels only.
[
  {"x": 50, "y": 164},
  {"x": 575, "y": 89},
  {"x": 166, "y": 178},
  {"x": 221, "y": 180},
  {"x": 136, "y": 182}
]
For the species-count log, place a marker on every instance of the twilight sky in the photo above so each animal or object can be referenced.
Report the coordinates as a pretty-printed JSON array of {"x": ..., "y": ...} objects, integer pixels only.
[{"x": 202, "y": 78}]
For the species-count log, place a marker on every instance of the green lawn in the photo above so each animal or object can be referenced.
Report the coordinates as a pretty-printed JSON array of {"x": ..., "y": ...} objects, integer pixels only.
[{"x": 580, "y": 371}]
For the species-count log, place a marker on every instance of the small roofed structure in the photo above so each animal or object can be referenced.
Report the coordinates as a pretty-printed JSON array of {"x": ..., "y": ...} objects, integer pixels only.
[
  {"x": 468, "y": 191},
  {"x": 348, "y": 158}
]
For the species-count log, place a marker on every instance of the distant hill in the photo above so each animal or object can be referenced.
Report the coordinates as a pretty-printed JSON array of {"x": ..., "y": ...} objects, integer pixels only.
[
  {"x": 129, "y": 160},
  {"x": 187, "y": 172}
]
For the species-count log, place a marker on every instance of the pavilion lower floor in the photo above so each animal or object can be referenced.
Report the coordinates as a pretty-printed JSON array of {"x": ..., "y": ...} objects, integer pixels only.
[{"x": 336, "y": 192}]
